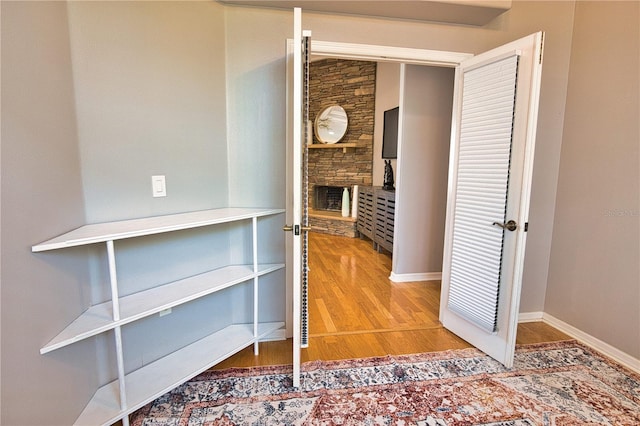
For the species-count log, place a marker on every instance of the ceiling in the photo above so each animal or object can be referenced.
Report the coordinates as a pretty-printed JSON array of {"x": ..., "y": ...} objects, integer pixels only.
[{"x": 463, "y": 12}]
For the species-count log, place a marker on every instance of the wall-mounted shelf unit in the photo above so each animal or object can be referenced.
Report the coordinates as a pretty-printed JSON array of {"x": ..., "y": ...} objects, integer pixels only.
[
  {"x": 346, "y": 147},
  {"x": 117, "y": 399}
]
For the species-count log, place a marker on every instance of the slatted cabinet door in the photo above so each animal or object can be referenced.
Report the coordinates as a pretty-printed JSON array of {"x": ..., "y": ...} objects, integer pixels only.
[
  {"x": 366, "y": 206},
  {"x": 385, "y": 213}
]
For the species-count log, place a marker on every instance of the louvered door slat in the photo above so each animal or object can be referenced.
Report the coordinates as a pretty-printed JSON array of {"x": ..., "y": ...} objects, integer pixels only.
[{"x": 482, "y": 183}]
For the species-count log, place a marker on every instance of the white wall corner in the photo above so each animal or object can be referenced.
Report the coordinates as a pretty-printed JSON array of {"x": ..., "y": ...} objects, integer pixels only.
[
  {"x": 424, "y": 276},
  {"x": 276, "y": 335},
  {"x": 594, "y": 343}
]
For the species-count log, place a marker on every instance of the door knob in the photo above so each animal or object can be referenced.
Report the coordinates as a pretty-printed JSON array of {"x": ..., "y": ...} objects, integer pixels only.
[{"x": 509, "y": 226}]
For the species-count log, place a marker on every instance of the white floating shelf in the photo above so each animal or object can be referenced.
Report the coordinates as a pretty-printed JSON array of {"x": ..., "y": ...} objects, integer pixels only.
[
  {"x": 99, "y": 318},
  {"x": 101, "y": 232},
  {"x": 151, "y": 381}
]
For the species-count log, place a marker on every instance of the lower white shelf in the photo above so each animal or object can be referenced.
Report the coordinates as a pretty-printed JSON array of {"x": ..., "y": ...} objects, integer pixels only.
[
  {"x": 99, "y": 318},
  {"x": 149, "y": 382}
]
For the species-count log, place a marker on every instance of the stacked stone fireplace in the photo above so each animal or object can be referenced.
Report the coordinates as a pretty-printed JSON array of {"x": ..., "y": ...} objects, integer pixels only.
[
  {"x": 326, "y": 210},
  {"x": 350, "y": 84}
]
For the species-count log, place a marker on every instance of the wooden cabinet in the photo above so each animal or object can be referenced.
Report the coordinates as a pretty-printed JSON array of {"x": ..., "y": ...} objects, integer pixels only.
[
  {"x": 376, "y": 211},
  {"x": 130, "y": 391}
]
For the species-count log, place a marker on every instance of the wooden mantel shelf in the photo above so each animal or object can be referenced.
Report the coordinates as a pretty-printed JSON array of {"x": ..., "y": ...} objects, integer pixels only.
[{"x": 343, "y": 146}]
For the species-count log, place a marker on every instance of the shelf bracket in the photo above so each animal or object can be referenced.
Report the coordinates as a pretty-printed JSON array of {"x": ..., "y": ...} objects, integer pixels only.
[
  {"x": 113, "y": 278},
  {"x": 254, "y": 228}
]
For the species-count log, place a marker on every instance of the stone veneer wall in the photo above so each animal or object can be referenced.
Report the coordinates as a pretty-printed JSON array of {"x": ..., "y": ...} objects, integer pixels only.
[
  {"x": 350, "y": 84},
  {"x": 325, "y": 225}
]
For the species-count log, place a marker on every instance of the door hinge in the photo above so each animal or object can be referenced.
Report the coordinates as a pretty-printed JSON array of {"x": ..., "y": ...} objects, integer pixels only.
[{"x": 541, "y": 49}]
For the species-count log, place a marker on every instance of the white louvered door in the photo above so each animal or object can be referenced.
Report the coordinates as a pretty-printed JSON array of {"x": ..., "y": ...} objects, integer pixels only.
[{"x": 491, "y": 162}]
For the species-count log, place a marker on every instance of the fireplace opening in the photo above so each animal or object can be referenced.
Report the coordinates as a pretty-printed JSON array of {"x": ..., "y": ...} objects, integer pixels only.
[{"x": 327, "y": 197}]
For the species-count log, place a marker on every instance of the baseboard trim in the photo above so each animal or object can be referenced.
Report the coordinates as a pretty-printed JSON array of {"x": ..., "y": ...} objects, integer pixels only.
[
  {"x": 424, "y": 276},
  {"x": 530, "y": 316},
  {"x": 597, "y": 344}
]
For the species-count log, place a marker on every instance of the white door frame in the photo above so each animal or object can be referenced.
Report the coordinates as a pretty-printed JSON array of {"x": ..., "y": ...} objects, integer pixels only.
[
  {"x": 363, "y": 52},
  {"x": 370, "y": 52},
  {"x": 427, "y": 58},
  {"x": 501, "y": 343}
]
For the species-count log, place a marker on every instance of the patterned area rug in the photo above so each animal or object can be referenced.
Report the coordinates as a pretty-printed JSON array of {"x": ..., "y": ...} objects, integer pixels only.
[{"x": 562, "y": 383}]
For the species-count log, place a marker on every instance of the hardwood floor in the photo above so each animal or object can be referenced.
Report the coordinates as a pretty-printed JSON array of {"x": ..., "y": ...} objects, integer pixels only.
[{"x": 355, "y": 311}]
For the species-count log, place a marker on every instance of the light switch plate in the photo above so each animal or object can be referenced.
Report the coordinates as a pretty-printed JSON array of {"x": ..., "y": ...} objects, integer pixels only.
[{"x": 158, "y": 185}]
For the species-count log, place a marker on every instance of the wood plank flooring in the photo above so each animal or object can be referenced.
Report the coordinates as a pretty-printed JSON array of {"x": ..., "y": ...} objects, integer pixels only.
[
  {"x": 350, "y": 291},
  {"x": 355, "y": 311}
]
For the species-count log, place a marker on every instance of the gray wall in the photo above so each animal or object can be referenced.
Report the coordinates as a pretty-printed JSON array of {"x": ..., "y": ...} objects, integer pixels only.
[
  {"x": 97, "y": 97},
  {"x": 423, "y": 164},
  {"x": 594, "y": 273},
  {"x": 387, "y": 97},
  {"x": 150, "y": 81},
  {"x": 256, "y": 134},
  {"x": 555, "y": 18},
  {"x": 41, "y": 197},
  {"x": 47, "y": 157},
  {"x": 150, "y": 91},
  {"x": 256, "y": 109}
]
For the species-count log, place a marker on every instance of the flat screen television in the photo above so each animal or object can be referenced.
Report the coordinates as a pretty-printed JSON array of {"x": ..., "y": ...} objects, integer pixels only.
[{"x": 390, "y": 134}]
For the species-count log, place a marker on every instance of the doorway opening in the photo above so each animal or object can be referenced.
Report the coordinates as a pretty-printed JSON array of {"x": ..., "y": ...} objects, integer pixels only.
[
  {"x": 351, "y": 296},
  {"x": 501, "y": 344}
]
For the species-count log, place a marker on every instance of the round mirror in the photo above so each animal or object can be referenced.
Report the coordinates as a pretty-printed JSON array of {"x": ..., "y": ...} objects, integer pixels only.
[{"x": 331, "y": 124}]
